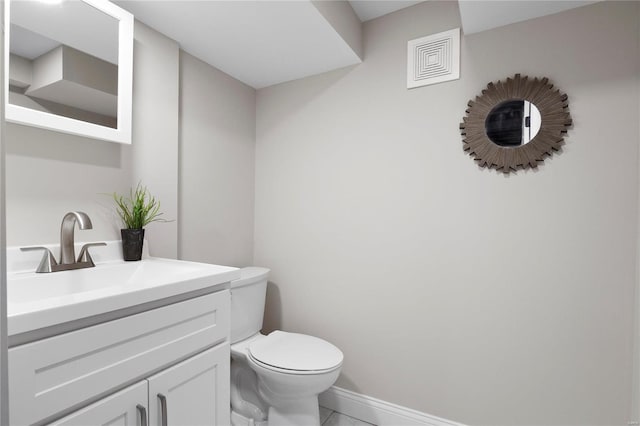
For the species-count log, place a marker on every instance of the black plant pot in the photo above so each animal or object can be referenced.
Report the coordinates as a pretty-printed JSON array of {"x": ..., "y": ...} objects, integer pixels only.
[{"x": 132, "y": 240}]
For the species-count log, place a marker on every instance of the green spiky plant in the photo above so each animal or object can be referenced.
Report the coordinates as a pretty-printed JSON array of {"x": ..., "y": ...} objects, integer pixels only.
[{"x": 139, "y": 209}]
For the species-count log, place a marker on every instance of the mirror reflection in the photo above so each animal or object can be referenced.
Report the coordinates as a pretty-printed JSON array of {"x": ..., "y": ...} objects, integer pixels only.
[
  {"x": 64, "y": 60},
  {"x": 513, "y": 123}
]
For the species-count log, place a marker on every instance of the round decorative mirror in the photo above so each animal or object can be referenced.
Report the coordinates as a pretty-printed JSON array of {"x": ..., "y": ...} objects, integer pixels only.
[{"x": 515, "y": 124}]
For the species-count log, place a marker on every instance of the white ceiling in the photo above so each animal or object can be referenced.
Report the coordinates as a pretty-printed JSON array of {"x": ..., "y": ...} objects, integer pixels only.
[
  {"x": 479, "y": 16},
  {"x": 264, "y": 42},
  {"x": 260, "y": 43},
  {"x": 368, "y": 10}
]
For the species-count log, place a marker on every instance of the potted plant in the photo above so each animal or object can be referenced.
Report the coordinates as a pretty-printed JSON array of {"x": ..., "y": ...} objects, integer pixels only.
[{"x": 136, "y": 211}]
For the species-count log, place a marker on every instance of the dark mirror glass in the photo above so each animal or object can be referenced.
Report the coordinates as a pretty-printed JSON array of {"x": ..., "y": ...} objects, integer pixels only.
[{"x": 513, "y": 123}]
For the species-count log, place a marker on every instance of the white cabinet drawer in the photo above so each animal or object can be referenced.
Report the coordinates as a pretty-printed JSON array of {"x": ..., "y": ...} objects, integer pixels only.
[{"x": 66, "y": 371}]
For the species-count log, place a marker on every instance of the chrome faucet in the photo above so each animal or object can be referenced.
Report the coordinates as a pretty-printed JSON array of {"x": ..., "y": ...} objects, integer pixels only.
[
  {"x": 67, "y": 250},
  {"x": 67, "y": 241}
]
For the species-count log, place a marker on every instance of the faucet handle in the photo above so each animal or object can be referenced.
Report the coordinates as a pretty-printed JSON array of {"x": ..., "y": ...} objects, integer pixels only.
[
  {"x": 48, "y": 261},
  {"x": 84, "y": 256}
]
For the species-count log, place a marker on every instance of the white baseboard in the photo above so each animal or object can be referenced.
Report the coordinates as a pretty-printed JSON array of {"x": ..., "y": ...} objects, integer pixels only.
[{"x": 375, "y": 411}]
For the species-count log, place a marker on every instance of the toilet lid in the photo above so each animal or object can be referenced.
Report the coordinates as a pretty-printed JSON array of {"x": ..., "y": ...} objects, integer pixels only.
[{"x": 292, "y": 351}]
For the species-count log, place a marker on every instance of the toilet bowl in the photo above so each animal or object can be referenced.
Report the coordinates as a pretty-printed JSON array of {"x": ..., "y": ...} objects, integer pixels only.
[{"x": 275, "y": 379}]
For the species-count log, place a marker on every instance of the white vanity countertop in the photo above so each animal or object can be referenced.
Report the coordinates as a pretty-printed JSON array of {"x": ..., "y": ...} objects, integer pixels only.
[{"x": 36, "y": 301}]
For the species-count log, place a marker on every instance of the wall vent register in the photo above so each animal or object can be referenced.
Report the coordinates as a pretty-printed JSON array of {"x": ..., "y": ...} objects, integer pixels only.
[{"x": 433, "y": 59}]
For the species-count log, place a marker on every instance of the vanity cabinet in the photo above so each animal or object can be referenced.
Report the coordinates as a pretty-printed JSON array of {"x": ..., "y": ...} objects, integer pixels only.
[
  {"x": 172, "y": 359},
  {"x": 188, "y": 393},
  {"x": 125, "y": 408},
  {"x": 191, "y": 393}
]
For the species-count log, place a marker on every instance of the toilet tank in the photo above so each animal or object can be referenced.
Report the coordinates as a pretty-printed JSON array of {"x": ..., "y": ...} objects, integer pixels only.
[{"x": 248, "y": 295}]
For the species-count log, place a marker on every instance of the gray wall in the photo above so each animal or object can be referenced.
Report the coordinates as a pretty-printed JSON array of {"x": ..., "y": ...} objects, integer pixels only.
[
  {"x": 154, "y": 151},
  {"x": 217, "y": 131},
  {"x": 187, "y": 116},
  {"x": 635, "y": 393},
  {"x": 454, "y": 290},
  {"x": 50, "y": 173}
]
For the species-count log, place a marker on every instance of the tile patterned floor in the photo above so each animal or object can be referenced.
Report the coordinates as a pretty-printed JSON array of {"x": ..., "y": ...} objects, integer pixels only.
[{"x": 333, "y": 418}]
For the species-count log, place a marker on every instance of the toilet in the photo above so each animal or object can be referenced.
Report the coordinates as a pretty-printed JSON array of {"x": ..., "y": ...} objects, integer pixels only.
[{"x": 275, "y": 379}]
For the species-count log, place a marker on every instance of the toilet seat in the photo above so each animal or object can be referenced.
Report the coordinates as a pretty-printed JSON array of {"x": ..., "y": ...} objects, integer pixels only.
[{"x": 294, "y": 353}]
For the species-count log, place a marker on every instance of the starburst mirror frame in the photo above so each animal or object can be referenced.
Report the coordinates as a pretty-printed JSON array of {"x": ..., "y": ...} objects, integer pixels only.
[{"x": 555, "y": 120}]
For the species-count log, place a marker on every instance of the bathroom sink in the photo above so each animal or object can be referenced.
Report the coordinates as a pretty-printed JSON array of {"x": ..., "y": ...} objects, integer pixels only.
[{"x": 39, "y": 300}]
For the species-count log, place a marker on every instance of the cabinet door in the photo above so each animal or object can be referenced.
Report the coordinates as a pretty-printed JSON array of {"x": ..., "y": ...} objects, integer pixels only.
[
  {"x": 125, "y": 408},
  {"x": 194, "y": 392}
]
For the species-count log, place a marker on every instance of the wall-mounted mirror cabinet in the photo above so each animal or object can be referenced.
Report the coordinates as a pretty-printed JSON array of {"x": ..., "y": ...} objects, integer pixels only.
[{"x": 69, "y": 67}]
